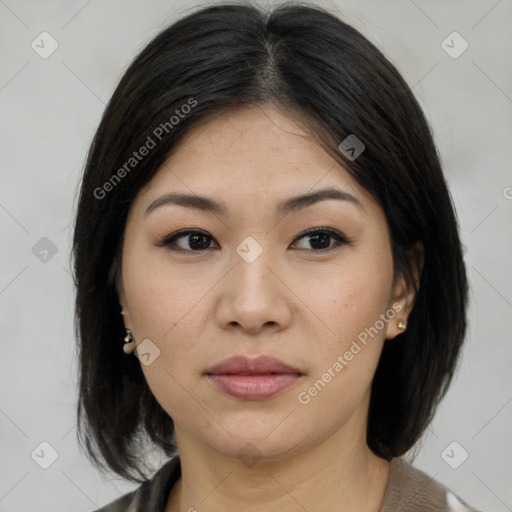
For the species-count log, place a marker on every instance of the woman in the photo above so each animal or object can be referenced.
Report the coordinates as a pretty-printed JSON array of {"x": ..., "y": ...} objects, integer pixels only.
[{"x": 264, "y": 218}]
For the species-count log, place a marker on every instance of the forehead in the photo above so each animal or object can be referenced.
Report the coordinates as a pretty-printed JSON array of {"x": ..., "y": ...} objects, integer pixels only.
[{"x": 247, "y": 151}]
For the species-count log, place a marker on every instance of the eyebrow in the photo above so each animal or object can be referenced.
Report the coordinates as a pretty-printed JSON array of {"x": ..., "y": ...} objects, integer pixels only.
[{"x": 293, "y": 204}]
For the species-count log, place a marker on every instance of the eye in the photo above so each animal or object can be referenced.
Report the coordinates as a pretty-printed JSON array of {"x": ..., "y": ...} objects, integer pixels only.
[
  {"x": 194, "y": 241},
  {"x": 319, "y": 239}
]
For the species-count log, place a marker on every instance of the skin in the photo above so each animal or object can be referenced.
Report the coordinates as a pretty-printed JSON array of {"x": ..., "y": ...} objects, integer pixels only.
[{"x": 296, "y": 302}]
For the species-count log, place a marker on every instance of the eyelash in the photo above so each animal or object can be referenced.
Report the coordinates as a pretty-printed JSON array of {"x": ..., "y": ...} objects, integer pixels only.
[{"x": 340, "y": 239}]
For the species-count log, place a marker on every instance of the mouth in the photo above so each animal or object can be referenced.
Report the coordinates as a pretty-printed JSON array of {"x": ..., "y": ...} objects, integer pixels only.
[{"x": 253, "y": 379}]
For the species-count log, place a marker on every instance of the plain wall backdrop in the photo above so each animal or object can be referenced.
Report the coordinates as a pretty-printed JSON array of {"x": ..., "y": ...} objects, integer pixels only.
[{"x": 60, "y": 62}]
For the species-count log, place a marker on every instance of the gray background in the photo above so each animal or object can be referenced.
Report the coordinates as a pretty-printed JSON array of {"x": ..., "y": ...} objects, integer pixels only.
[{"x": 50, "y": 109}]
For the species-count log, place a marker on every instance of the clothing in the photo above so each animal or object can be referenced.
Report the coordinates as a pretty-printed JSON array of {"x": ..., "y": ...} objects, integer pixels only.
[{"x": 408, "y": 490}]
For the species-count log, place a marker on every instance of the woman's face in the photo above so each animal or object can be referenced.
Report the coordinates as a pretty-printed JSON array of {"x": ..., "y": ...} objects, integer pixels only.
[{"x": 249, "y": 282}]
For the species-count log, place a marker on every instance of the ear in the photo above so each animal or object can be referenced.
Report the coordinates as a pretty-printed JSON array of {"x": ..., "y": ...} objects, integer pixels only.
[{"x": 403, "y": 294}]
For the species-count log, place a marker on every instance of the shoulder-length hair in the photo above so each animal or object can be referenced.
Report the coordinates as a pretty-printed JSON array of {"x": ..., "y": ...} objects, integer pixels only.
[{"x": 335, "y": 83}]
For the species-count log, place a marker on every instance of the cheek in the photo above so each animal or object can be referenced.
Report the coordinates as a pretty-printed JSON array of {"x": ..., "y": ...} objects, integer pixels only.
[
  {"x": 165, "y": 309},
  {"x": 350, "y": 306},
  {"x": 158, "y": 295},
  {"x": 345, "y": 358},
  {"x": 351, "y": 299}
]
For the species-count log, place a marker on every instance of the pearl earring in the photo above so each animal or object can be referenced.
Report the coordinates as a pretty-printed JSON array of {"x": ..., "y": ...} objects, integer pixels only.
[
  {"x": 129, "y": 342},
  {"x": 401, "y": 325}
]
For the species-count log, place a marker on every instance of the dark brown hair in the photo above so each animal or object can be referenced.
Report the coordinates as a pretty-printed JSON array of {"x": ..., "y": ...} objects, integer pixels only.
[{"x": 336, "y": 83}]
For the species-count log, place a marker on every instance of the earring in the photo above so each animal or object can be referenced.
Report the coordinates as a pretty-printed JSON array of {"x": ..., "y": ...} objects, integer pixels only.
[
  {"x": 129, "y": 342},
  {"x": 401, "y": 325}
]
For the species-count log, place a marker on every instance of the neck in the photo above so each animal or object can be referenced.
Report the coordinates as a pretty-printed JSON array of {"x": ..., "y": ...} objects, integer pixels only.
[{"x": 349, "y": 475}]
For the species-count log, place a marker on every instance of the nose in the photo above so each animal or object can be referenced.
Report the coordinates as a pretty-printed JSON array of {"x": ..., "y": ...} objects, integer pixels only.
[{"x": 254, "y": 296}]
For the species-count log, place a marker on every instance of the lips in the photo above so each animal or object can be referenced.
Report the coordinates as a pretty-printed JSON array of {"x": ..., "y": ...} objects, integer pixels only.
[
  {"x": 253, "y": 379},
  {"x": 259, "y": 366}
]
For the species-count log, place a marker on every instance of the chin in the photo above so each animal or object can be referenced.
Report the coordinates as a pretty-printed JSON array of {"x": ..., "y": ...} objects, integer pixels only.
[{"x": 254, "y": 439}]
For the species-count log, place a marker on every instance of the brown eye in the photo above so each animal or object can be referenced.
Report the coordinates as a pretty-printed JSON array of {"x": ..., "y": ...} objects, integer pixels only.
[
  {"x": 187, "y": 241},
  {"x": 320, "y": 239}
]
